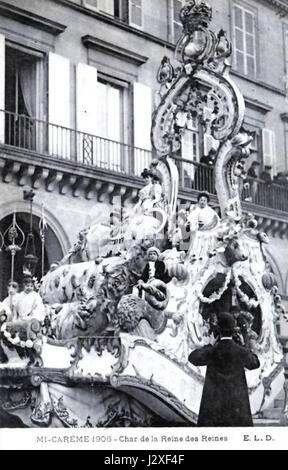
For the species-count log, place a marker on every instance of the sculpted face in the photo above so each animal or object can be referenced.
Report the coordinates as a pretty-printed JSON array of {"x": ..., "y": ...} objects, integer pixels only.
[
  {"x": 235, "y": 252},
  {"x": 12, "y": 288},
  {"x": 116, "y": 283}
]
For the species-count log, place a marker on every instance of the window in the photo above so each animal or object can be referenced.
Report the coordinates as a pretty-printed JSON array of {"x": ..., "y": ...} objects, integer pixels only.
[
  {"x": 244, "y": 40},
  {"x": 190, "y": 141},
  {"x": 176, "y": 24},
  {"x": 111, "y": 124},
  {"x": 105, "y": 6},
  {"x": 135, "y": 13},
  {"x": 130, "y": 11},
  {"x": 190, "y": 151},
  {"x": 22, "y": 97},
  {"x": 110, "y": 101}
]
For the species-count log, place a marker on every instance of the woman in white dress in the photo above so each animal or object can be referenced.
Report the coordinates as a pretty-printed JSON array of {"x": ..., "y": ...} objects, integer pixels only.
[{"x": 202, "y": 221}]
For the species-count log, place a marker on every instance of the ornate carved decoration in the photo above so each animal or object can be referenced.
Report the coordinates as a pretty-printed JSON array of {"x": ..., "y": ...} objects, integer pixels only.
[{"x": 202, "y": 88}]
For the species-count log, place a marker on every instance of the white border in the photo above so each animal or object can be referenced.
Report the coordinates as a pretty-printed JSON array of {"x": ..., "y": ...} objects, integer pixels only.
[{"x": 167, "y": 439}]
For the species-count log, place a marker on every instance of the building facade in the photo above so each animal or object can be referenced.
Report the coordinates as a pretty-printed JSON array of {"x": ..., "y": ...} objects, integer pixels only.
[{"x": 77, "y": 89}]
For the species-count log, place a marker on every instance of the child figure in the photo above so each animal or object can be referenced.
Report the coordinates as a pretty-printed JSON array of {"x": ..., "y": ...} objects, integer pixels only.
[{"x": 29, "y": 304}]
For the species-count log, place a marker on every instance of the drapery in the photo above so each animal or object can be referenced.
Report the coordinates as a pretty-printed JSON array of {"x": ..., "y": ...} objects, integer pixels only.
[{"x": 27, "y": 78}]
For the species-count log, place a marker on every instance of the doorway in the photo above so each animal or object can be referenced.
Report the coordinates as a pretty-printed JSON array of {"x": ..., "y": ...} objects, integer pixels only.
[{"x": 52, "y": 250}]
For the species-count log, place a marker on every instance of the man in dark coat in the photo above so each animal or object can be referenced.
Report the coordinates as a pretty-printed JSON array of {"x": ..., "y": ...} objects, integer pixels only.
[
  {"x": 155, "y": 269},
  {"x": 225, "y": 400}
]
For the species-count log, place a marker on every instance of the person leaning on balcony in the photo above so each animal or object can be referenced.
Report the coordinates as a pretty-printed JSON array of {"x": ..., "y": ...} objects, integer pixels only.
[
  {"x": 253, "y": 174},
  {"x": 281, "y": 178},
  {"x": 266, "y": 174},
  {"x": 225, "y": 400},
  {"x": 253, "y": 171},
  {"x": 266, "y": 195}
]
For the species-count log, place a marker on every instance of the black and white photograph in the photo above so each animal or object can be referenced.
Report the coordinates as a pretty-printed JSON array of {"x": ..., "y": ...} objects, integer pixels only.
[{"x": 144, "y": 225}]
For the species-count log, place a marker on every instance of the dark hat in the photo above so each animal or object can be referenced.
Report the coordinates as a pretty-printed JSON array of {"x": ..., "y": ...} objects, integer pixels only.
[
  {"x": 255, "y": 163},
  {"x": 27, "y": 280},
  {"x": 145, "y": 173},
  {"x": 203, "y": 194},
  {"x": 268, "y": 167},
  {"x": 226, "y": 322}
]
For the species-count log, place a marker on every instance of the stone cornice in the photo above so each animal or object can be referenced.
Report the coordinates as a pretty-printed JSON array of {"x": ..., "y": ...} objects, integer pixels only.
[
  {"x": 92, "y": 42},
  {"x": 280, "y": 4},
  {"x": 116, "y": 22},
  {"x": 271, "y": 88},
  {"x": 65, "y": 177},
  {"x": 284, "y": 117},
  {"x": 257, "y": 105},
  {"x": 31, "y": 19}
]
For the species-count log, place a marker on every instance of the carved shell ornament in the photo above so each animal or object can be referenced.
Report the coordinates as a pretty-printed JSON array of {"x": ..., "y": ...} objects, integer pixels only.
[{"x": 203, "y": 89}]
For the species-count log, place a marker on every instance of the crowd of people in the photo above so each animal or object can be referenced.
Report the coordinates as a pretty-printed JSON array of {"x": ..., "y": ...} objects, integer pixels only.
[{"x": 257, "y": 186}]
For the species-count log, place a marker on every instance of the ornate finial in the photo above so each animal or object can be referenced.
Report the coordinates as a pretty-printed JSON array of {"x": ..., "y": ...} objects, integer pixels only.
[
  {"x": 165, "y": 72},
  {"x": 13, "y": 235},
  {"x": 195, "y": 14}
]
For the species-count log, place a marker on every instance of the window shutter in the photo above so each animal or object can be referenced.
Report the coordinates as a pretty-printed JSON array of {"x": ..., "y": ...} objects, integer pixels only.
[
  {"x": 187, "y": 152},
  {"x": 187, "y": 144},
  {"x": 86, "y": 111},
  {"x": 142, "y": 109},
  {"x": 59, "y": 105},
  {"x": 286, "y": 59},
  {"x": 269, "y": 153},
  {"x": 273, "y": 149},
  {"x": 86, "y": 98},
  {"x": 208, "y": 144},
  {"x": 93, "y": 4},
  {"x": 136, "y": 13},
  {"x": 114, "y": 127},
  {"x": 106, "y": 6},
  {"x": 2, "y": 88}
]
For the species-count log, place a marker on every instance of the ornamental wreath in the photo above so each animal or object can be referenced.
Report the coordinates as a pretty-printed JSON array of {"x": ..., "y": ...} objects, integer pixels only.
[{"x": 218, "y": 294}]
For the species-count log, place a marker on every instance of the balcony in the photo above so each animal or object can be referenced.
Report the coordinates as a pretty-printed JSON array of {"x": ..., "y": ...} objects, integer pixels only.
[
  {"x": 36, "y": 152},
  {"x": 66, "y": 144},
  {"x": 199, "y": 177}
]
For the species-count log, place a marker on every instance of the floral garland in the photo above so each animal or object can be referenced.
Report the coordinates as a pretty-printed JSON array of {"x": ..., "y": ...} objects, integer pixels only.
[
  {"x": 250, "y": 303},
  {"x": 218, "y": 294},
  {"x": 16, "y": 341}
]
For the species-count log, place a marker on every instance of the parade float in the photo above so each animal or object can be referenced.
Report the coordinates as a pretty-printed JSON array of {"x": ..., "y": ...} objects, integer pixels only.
[{"x": 113, "y": 348}]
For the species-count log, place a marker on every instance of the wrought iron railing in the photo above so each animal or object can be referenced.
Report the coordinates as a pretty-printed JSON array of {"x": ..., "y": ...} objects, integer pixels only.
[
  {"x": 68, "y": 144},
  {"x": 273, "y": 195},
  {"x": 194, "y": 175},
  {"x": 200, "y": 177},
  {"x": 90, "y": 150}
]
